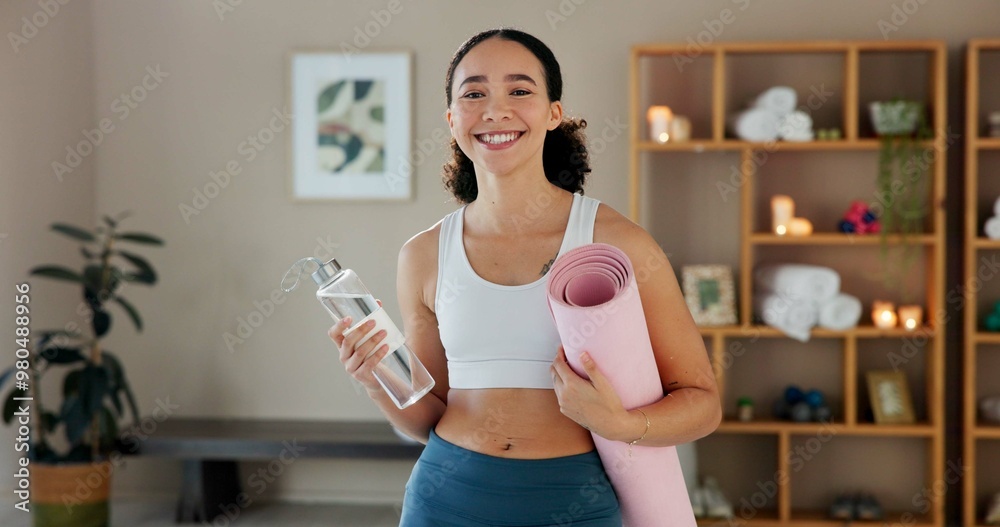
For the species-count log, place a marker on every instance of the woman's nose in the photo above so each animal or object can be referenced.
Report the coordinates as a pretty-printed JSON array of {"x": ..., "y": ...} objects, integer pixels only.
[{"x": 497, "y": 109}]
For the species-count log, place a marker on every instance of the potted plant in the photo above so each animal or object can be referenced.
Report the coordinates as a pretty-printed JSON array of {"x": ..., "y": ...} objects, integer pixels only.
[
  {"x": 901, "y": 186},
  {"x": 71, "y": 487}
]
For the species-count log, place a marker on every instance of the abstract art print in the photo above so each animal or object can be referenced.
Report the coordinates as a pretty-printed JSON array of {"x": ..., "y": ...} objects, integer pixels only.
[{"x": 352, "y": 128}]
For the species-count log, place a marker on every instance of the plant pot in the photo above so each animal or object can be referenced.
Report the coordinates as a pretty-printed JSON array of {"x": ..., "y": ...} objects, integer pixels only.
[
  {"x": 895, "y": 117},
  {"x": 71, "y": 495}
]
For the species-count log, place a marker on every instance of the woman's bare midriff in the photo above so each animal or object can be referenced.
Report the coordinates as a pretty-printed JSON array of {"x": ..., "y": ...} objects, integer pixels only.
[{"x": 511, "y": 422}]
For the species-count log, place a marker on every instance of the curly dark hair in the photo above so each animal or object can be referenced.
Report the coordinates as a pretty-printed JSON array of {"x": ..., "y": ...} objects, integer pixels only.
[{"x": 564, "y": 154}]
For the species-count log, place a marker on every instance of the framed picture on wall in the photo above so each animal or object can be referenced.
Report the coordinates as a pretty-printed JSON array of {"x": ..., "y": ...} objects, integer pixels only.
[
  {"x": 710, "y": 294},
  {"x": 889, "y": 394},
  {"x": 351, "y": 126}
]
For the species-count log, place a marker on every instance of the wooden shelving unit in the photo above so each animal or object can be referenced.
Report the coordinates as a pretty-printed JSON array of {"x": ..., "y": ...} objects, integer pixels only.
[
  {"x": 982, "y": 80},
  {"x": 709, "y": 92}
]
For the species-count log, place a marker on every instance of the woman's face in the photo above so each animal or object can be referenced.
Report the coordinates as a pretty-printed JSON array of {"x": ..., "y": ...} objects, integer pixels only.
[{"x": 500, "y": 109}]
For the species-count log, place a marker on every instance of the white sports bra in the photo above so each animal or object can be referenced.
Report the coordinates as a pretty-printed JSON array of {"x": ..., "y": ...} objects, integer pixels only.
[{"x": 498, "y": 336}]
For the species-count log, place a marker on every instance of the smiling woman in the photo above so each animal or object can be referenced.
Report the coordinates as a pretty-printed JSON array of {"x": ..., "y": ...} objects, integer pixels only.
[{"x": 509, "y": 426}]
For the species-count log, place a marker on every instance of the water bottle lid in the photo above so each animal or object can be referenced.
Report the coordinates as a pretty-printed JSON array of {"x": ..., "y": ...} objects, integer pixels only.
[{"x": 326, "y": 271}]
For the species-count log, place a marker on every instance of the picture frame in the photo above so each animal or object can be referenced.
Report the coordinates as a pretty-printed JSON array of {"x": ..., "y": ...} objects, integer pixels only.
[
  {"x": 889, "y": 395},
  {"x": 710, "y": 294},
  {"x": 352, "y": 125}
]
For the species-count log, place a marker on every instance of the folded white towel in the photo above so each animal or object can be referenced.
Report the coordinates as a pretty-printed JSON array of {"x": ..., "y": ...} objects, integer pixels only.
[
  {"x": 992, "y": 228},
  {"x": 839, "y": 313},
  {"x": 794, "y": 317},
  {"x": 799, "y": 281},
  {"x": 796, "y": 126},
  {"x": 756, "y": 124},
  {"x": 779, "y": 100}
]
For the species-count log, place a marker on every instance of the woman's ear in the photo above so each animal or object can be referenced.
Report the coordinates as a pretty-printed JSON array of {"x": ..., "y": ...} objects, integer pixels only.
[
  {"x": 447, "y": 118},
  {"x": 555, "y": 114}
]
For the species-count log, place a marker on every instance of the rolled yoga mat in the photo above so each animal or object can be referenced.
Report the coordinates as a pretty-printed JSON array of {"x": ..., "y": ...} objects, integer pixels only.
[{"x": 594, "y": 300}]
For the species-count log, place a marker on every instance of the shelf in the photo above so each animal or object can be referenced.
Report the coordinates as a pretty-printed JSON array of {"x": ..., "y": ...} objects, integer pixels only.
[
  {"x": 985, "y": 337},
  {"x": 985, "y": 431},
  {"x": 838, "y": 238},
  {"x": 703, "y": 145},
  {"x": 986, "y": 243},
  {"x": 821, "y": 519},
  {"x": 865, "y": 429},
  {"x": 858, "y": 332},
  {"x": 987, "y": 143}
]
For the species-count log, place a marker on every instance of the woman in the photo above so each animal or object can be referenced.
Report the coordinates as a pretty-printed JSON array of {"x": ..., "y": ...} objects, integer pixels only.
[{"x": 508, "y": 425}]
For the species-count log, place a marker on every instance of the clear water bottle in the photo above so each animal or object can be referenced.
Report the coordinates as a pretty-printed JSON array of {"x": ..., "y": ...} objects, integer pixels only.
[{"x": 342, "y": 293}]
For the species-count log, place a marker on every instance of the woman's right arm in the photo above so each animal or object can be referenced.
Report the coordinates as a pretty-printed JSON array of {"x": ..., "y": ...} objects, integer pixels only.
[{"x": 422, "y": 337}]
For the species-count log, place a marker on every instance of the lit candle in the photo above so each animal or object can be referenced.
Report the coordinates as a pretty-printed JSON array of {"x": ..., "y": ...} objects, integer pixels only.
[
  {"x": 782, "y": 211},
  {"x": 911, "y": 317},
  {"x": 659, "y": 123},
  {"x": 680, "y": 128},
  {"x": 884, "y": 314},
  {"x": 800, "y": 227}
]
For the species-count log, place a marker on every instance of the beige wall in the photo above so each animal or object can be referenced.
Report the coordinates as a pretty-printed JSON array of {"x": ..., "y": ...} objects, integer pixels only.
[{"x": 225, "y": 75}]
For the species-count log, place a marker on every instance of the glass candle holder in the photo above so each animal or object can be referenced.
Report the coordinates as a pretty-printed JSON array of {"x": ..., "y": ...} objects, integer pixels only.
[
  {"x": 911, "y": 317},
  {"x": 782, "y": 211},
  {"x": 884, "y": 314},
  {"x": 659, "y": 118}
]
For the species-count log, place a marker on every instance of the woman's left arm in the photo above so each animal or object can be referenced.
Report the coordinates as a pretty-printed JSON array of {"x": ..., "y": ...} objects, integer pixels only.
[{"x": 690, "y": 408}]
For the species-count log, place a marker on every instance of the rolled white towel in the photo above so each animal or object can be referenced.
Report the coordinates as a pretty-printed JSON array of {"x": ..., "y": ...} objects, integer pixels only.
[
  {"x": 756, "y": 124},
  {"x": 799, "y": 281},
  {"x": 796, "y": 126},
  {"x": 779, "y": 99},
  {"x": 992, "y": 228},
  {"x": 839, "y": 313},
  {"x": 794, "y": 317}
]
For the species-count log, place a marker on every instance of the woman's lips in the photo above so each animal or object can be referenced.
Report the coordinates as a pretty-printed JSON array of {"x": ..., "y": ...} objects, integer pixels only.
[{"x": 499, "y": 146}]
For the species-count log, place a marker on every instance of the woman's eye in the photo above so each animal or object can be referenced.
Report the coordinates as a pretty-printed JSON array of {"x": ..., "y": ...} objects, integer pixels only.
[
  {"x": 470, "y": 95},
  {"x": 521, "y": 92}
]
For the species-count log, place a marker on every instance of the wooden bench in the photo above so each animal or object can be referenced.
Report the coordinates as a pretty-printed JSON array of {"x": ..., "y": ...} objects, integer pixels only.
[{"x": 210, "y": 450}]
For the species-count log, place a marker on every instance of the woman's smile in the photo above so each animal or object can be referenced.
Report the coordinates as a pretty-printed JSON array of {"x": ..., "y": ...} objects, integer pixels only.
[{"x": 498, "y": 140}]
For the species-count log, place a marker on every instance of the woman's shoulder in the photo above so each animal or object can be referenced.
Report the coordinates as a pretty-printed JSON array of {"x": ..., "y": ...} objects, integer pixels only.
[{"x": 614, "y": 228}]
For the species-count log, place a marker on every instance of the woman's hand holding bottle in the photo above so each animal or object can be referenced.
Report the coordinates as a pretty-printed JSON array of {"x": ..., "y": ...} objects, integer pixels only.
[{"x": 357, "y": 358}]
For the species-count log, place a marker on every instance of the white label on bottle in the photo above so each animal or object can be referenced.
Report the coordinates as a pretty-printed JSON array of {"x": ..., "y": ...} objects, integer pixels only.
[{"x": 393, "y": 336}]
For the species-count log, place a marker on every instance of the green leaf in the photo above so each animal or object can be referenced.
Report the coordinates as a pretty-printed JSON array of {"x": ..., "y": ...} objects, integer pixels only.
[
  {"x": 377, "y": 113},
  {"x": 146, "y": 273},
  {"x": 361, "y": 89},
  {"x": 73, "y": 416},
  {"x": 57, "y": 272},
  {"x": 61, "y": 355},
  {"x": 101, "y": 322},
  {"x": 138, "y": 237},
  {"x": 119, "y": 380},
  {"x": 71, "y": 384},
  {"x": 108, "y": 426},
  {"x": 74, "y": 232},
  {"x": 136, "y": 319},
  {"x": 11, "y": 405},
  {"x": 329, "y": 96},
  {"x": 93, "y": 389}
]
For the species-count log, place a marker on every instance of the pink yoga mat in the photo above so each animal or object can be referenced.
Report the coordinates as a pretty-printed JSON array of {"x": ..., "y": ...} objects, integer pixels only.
[{"x": 594, "y": 300}]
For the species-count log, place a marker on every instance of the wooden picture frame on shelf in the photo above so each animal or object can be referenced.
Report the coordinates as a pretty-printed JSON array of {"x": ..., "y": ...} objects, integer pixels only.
[
  {"x": 889, "y": 394},
  {"x": 710, "y": 294}
]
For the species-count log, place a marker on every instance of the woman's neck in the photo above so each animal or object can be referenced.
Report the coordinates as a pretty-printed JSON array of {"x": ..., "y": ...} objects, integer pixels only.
[{"x": 506, "y": 205}]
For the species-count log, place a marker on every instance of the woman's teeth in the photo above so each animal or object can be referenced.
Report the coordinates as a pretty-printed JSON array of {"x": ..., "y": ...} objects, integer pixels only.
[{"x": 496, "y": 139}]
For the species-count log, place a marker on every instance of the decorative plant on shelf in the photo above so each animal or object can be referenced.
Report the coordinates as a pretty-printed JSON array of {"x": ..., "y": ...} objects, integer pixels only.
[
  {"x": 95, "y": 391},
  {"x": 901, "y": 186}
]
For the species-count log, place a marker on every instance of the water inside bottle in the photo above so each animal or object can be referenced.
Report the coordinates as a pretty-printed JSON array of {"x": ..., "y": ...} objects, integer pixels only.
[{"x": 354, "y": 305}]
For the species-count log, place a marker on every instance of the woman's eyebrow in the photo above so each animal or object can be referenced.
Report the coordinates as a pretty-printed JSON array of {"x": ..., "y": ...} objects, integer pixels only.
[{"x": 509, "y": 78}]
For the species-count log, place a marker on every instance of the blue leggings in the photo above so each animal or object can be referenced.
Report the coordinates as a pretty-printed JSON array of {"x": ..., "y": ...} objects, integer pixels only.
[{"x": 455, "y": 487}]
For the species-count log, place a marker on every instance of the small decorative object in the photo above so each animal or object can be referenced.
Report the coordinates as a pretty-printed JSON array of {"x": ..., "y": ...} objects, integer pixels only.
[
  {"x": 992, "y": 319},
  {"x": 859, "y": 219},
  {"x": 659, "y": 118},
  {"x": 856, "y": 507},
  {"x": 782, "y": 212},
  {"x": 773, "y": 116},
  {"x": 890, "y": 397},
  {"x": 716, "y": 504},
  {"x": 744, "y": 409},
  {"x": 897, "y": 117},
  {"x": 802, "y": 407},
  {"x": 680, "y": 129},
  {"x": 800, "y": 227},
  {"x": 992, "y": 226},
  {"x": 709, "y": 293},
  {"x": 989, "y": 409},
  {"x": 835, "y": 134},
  {"x": 842, "y": 508},
  {"x": 994, "y": 124},
  {"x": 351, "y": 126},
  {"x": 993, "y": 512},
  {"x": 911, "y": 317},
  {"x": 884, "y": 314}
]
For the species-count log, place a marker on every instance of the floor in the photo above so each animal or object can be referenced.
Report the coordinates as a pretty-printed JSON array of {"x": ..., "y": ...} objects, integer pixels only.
[{"x": 148, "y": 512}]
